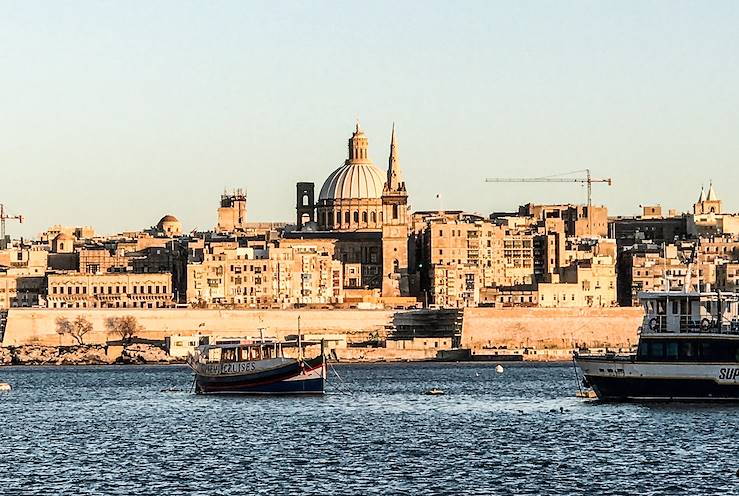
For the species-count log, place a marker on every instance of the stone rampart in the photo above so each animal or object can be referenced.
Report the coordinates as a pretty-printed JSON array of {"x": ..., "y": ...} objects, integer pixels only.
[
  {"x": 551, "y": 327},
  {"x": 38, "y": 326},
  {"x": 483, "y": 327}
]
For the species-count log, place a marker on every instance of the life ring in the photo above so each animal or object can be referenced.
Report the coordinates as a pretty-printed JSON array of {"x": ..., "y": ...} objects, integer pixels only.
[
  {"x": 706, "y": 324},
  {"x": 653, "y": 324}
]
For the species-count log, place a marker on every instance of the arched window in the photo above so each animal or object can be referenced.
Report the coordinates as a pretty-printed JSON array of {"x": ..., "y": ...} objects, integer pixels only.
[
  {"x": 305, "y": 199},
  {"x": 395, "y": 211},
  {"x": 338, "y": 218},
  {"x": 356, "y": 216},
  {"x": 364, "y": 217},
  {"x": 346, "y": 217},
  {"x": 374, "y": 217}
]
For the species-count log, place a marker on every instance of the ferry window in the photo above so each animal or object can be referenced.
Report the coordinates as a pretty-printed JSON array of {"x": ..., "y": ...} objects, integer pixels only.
[
  {"x": 672, "y": 351},
  {"x": 660, "y": 308},
  {"x": 684, "y": 307},
  {"x": 687, "y": 351},
  {"x": 656, "y": 351},
  {"x": 675, "y": 308},
  {"x": 643, "y": 350}
]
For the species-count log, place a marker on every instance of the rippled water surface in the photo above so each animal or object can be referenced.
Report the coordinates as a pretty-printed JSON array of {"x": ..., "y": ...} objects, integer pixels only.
[{"x": 112, "y": 430}]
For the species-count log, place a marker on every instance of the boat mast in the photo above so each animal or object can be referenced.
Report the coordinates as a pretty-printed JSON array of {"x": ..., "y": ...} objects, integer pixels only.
[{"x": 300, "y": 342}]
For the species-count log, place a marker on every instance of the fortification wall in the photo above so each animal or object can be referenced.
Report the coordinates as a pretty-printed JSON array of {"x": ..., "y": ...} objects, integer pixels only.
[
  {"x": 550, "y": 327},
  {"x": 38, "y": 326},
  {"x": 511, "y": 327}
]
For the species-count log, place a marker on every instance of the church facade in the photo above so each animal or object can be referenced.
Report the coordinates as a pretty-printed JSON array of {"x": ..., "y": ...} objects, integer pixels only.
[{"x": 365, "y": 210}]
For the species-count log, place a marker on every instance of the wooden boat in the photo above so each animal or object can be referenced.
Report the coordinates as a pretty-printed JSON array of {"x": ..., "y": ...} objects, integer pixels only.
[{"x": 256, "y": 366}]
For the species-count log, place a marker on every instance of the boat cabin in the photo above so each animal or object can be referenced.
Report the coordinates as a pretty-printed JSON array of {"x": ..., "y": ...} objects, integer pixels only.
[
  {"x": 242, "y": 350},
  {"x": 690, "y": 312}
]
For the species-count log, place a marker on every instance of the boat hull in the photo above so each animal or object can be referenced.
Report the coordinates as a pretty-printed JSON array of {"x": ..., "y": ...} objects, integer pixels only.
[
  {"x": 295, "y": 378},
  {"x": 627, "y": 380}
]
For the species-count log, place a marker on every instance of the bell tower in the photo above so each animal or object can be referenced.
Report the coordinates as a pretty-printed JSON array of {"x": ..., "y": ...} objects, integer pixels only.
[{"x": 394, "y": 228}]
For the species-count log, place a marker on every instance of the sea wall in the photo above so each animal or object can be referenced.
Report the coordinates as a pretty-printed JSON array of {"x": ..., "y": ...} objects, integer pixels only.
[
  {"x": 562, "y": 328},
  {"x": 38, "y": 326},
  {"x": 483, "y": 327}
]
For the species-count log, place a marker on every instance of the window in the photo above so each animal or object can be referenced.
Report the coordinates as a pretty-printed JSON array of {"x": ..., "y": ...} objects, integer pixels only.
[
  {"x": 374, "y": 217},
  {"x": 356, "y": 216},
  {"x": 346, "y": 217},
  {"x": 395, "y": 211}
]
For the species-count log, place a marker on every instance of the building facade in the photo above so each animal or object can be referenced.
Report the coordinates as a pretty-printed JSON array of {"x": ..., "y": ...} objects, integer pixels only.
[{"x": 109, "y": 290}]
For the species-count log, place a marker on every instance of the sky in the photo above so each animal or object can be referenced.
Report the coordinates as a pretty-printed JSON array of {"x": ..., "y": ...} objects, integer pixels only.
[{"x": 113, "y": 114}]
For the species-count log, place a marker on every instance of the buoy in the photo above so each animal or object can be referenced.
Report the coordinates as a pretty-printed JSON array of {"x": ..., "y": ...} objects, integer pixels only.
[
  {"x": 477, "y": 374},
  {"x": 499, "y": 369},
  {"x": 4, "y": 386}
]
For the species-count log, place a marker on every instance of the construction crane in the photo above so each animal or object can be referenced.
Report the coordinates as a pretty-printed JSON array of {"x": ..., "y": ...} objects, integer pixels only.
[
  {"x": 588, "y": 179},
  {"x": 3, "y": 217}
]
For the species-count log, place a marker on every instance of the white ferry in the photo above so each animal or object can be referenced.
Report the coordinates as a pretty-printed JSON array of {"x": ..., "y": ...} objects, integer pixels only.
[{"x": 688, "y": 350}]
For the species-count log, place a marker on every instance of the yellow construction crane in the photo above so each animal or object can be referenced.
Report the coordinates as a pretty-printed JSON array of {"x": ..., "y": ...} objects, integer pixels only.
[
  {"x": 3, "y": 217},
  {"x": 588, "y": 179}
]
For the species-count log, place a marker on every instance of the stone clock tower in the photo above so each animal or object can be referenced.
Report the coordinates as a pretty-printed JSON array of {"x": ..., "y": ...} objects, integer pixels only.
[{"x": 394, "y": 228}]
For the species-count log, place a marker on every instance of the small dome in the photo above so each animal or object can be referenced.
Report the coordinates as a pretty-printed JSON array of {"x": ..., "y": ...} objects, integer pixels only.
[
  {"x": 353, "y": 181},
  {"x": 168, "y": 218},
  {"x": 64, "y": 237}
]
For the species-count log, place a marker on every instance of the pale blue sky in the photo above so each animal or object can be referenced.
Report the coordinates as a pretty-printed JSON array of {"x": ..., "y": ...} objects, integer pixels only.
[{"x": 115, "y": 113}]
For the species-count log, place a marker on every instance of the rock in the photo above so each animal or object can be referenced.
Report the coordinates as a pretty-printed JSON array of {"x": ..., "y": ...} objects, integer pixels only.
[
  {"x": 34, "y": 354},
  {"x": 6, "y": 357},
  {"x": 53, "y": 355},
  {"x": 138, "y": 353}
]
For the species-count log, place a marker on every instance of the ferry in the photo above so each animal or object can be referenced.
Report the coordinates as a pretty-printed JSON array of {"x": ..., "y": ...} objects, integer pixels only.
[
  {"x": 256, "y": 366},
  {"x": 688, "y": 350}
]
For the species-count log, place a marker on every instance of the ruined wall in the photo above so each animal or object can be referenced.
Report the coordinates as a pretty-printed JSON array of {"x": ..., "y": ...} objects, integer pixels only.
[{"x": 550, "y": 327}]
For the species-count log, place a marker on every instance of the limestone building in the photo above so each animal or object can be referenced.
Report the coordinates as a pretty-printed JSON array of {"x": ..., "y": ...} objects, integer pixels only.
[
  {"x": 365, "y": 212},
  {"x": 110, "y": 290},
  {"x": 708, "y": 217},
  {"x": 293, "y": 273},
  {"x": 232, "y": 212}
]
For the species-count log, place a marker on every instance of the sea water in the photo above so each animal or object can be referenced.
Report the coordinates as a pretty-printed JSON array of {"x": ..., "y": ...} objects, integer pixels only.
[{"x": 135, "y": 430}]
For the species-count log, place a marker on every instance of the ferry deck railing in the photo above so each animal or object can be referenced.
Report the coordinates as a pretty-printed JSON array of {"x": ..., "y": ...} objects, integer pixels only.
[{"x": 658, "y": 324}]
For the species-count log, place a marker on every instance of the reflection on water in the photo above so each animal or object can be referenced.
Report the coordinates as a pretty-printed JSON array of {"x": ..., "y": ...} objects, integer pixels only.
[{"x": 112, "y": 430}]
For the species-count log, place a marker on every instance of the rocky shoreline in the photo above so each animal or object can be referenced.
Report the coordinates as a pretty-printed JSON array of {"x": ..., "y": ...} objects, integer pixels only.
[{"x": 133, "y": 354}]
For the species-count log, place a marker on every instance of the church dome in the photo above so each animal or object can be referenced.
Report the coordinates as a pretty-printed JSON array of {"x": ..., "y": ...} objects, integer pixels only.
[
  {"x": 358, "y": 178},
  {"x": 353, "y": 180},
  {"x": 170, "y": 225},
  {"x": 168, "y": 218}
]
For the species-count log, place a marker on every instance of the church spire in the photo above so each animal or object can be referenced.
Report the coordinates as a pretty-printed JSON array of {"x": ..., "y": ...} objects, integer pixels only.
[
  {"x": 711, "y": 193},
  {"x": 703, "y": 196},
  {"x": 394, "y": 177}
]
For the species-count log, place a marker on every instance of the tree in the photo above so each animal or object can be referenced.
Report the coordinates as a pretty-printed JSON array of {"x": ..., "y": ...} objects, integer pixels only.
[
  {"x": 76, "y": 328},
  {"x": 80, "y": 327},
  {"x": 125, "y": 327},
  {"x": 63, "y": 326}
]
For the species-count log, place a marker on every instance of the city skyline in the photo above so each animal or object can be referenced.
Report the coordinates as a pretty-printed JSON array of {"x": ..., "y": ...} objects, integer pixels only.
[{"x": 118, "y": 117}]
